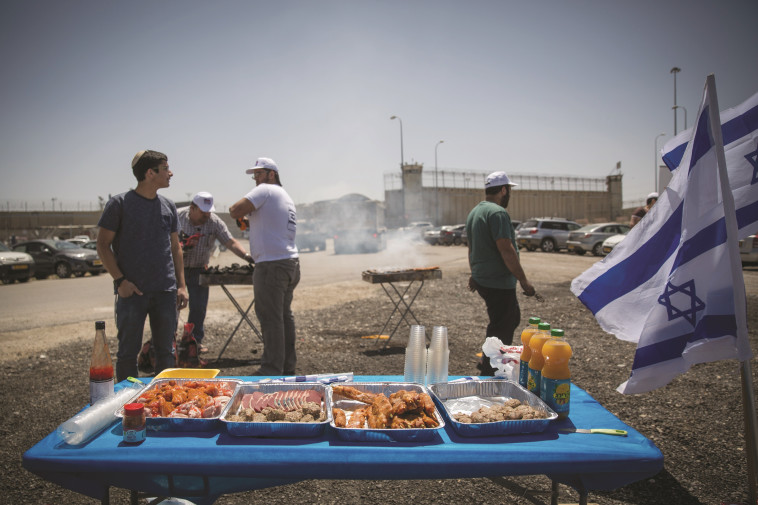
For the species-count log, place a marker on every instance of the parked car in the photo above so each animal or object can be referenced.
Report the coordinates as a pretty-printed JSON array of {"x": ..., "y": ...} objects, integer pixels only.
[
  {"x": 548, "y": 233},
  {"x": 79, "y": 239},
  {"x": 591, "y": 237},
  {"x": 452, "y": 235},
  {"x": 92, "y": 244},
  {"x": 15, "y": 266},
  {"x": 612, "y": 241},
  {"x": 61, "y": 258},
  {"x": 432, "y": 235},
  {"x": 749, "y": 250},
  {"x": 417, "y": 229}
]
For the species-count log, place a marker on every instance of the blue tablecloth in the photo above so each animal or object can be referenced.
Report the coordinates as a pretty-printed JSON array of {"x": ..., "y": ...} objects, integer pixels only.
[{"x": 204, "y": 465}]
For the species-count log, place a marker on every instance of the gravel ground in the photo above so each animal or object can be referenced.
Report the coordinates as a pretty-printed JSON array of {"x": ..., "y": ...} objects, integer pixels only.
[{"x": 696, "y": 421}]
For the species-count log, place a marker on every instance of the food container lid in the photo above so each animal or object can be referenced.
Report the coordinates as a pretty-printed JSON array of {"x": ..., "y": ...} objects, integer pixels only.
[{"x": 134, "y": 409}]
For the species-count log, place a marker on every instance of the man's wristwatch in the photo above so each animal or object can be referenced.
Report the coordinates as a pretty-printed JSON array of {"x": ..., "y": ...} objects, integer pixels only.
[{"x": 117, "y": 283}]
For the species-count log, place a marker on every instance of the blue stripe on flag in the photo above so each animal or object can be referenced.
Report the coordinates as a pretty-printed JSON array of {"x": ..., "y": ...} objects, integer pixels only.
[
  {"x": 709, "y": 327},
  {"x": 706, "y": 239},
  {"x": 644, "y": 262},
  {"x": 732, "y": 130},
  {"x": 747, "y": 215},
  {"x": 702, "y": 141}
]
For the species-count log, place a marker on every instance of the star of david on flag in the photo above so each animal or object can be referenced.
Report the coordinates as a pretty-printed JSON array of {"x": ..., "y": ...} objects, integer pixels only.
[
  {"x": 672, "y": 284},
  {"x": 739, "y": 126}
]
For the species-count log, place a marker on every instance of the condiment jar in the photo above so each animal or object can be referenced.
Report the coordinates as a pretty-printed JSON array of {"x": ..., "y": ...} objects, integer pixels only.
[{"x": 133, "y": 423}]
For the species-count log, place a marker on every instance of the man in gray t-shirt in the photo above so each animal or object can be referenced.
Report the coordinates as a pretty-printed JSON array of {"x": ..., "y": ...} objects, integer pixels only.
[{"x": 138, "y": 243}]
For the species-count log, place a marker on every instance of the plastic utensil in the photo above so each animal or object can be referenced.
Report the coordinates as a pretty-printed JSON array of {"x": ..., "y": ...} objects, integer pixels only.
[{"x": 598, "y": 431}]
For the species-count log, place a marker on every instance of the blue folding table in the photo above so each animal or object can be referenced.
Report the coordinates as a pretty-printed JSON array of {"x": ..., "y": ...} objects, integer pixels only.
[{"x": 201, "y": 466}]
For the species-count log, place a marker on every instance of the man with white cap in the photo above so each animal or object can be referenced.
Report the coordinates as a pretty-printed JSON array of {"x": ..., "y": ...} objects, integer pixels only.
[
  {"x": 494, "y": 261},
  {"x": 273, "y": 222},
  {"x": 641, "y": 211},
  {"x": 203, "y": 227}
]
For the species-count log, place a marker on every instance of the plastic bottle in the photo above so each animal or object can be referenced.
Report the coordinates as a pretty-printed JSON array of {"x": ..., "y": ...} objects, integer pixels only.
[
  {"x": 536, "y": 361},
  {"x": 526, "y": 352},
  {"x": 101, "y": 378},
  {"x": 555, "y": 389}
]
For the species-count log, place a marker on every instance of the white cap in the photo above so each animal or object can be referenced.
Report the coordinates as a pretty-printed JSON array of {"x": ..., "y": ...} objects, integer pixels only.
[
  {"x": 204, "y": 201},
  {"x": 498, "y": 179},
  {"x": 652, "y": 195},
  {"x": 266, "y": 163}
]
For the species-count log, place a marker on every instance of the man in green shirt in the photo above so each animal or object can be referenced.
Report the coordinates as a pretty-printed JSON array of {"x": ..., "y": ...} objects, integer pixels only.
[{"x": 494, "y": 261}]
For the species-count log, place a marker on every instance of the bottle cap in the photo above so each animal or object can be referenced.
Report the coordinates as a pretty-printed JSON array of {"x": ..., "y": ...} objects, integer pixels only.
[
  {"x": 99, "y": 325},
  {"x": 534, "y": 320},
  {"x": 134, "y": 409},
  {"x": 544, "y": 326},
  {"x": 556, "y": 332}
]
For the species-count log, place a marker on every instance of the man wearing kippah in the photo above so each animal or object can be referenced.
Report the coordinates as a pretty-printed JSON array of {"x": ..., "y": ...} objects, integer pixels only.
[
  {"x": 202, "y": 227},
  {"x": 494, "y": 261},
  {"x": 138, "y": 241},
  {"x": 273, "y": 222}
]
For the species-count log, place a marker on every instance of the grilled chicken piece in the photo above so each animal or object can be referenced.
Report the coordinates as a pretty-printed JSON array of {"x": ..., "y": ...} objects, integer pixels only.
[
  {"x": 380, "y": 413},
  {"x": 354, "y": 394},
  {"x": 340, "y": 420},
  {"x": 358, "y": 419},
  {"x": 405, "y": 401}
]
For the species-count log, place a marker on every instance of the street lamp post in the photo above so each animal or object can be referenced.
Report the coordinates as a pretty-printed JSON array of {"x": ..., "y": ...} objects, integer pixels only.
[
  {"x": 436, "y": 188},
  {"x": 655, "y": 161},
  {"x": 402, "y": 163},
  {"x": 675, "y": 71},
  {"x": 401, "y": 141},
  {"x": 685, "y": 113}
]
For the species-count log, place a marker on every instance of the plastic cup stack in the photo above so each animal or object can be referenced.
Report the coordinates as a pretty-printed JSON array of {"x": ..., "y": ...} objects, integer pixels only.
[
  {"x": 438, "y": 356},
  {"x": 415, "y": 355}
]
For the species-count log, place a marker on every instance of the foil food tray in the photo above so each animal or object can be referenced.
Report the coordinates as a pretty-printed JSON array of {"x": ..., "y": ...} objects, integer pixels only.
[
  {"x": 484, "y": 393},
  {"x": 181, "y": 423},
  {"x": 277, "y": 429},
  {"x": 382, "y": 435}
]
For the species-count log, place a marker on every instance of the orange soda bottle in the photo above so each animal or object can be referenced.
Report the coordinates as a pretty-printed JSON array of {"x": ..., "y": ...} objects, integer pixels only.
[
  {"x": 526, "y": 352},
  {"x": 534, "y": 379},
  {"x": 555, "y": 389}
]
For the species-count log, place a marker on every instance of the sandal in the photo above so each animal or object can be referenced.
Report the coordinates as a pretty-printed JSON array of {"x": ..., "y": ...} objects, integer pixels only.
[{"x": 202, "y": 349}]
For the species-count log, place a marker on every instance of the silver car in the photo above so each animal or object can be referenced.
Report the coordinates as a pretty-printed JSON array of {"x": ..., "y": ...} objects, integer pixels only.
[
  {"x": 591, "y": 237},
  {"x": 549, "y": 234}
]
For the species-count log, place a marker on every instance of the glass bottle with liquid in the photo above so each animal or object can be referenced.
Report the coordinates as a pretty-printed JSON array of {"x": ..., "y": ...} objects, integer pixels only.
[{"x": 101, "y": 377}]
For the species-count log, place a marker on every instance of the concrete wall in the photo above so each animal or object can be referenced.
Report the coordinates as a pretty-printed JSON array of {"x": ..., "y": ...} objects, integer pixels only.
[{"x": 451, "y": 205}]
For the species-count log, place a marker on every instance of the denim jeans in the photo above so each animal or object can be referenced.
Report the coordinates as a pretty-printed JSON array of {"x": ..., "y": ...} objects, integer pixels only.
[
  {"x": 198, "y": 301},
  {"x": 274, "y": 283},
  {"x": 503, "y": 311},
  {"x": 131, "y": 313}
]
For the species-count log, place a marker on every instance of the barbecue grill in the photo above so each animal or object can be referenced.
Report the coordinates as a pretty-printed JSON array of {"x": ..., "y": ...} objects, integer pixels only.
[{"x": 391, "y": 276}]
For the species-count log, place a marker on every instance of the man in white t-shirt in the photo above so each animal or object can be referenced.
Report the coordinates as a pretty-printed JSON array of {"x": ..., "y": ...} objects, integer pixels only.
[{"x": 273, "y": 222}]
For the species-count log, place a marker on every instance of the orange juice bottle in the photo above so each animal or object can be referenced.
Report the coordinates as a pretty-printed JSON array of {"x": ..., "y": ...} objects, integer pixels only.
[
  {"x": 536, "y": 361},
  {"x": 526, "y": 352},
  {"x": 555, "y": 389}
]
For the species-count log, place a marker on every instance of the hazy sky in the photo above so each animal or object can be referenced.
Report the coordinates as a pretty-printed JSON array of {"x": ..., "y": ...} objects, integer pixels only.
[{"x": 530, "y": 87}]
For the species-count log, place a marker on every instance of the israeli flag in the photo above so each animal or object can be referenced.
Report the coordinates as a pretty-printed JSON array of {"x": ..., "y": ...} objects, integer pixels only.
[
  {"x": 670, "y": 284},
  {"x": 739, "y": 126}
]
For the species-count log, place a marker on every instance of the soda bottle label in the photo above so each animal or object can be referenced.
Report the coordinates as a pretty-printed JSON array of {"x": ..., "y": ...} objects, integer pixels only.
[
  {"x": 534, "y": 381},
  {"x": 556, "y": 393},
  {"x": 100, "y": 390},
  {"x": 523, "y": 373}
]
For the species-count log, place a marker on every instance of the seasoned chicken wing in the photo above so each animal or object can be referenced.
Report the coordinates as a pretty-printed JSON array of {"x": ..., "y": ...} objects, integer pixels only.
[
  {"x": 380, "y": 413},
  {"x": 340, "y": 420},
  {"x": 358, "y": 418},
  {"x": 354, "y": 394}
]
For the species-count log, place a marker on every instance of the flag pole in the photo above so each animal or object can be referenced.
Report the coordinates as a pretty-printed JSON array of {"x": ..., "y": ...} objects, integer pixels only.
[{"x": 738, "y": 281}]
